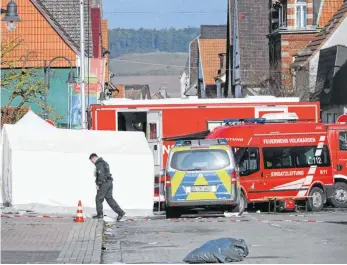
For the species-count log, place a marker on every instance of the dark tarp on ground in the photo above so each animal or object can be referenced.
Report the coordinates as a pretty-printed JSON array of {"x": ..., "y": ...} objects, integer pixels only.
[{"x": 223, "y": 250}]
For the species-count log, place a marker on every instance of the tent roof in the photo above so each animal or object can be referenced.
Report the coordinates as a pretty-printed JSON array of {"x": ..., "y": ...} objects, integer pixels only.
[
  {"x": 32, "y": 121},
  {"x": 78, "y": 141}
]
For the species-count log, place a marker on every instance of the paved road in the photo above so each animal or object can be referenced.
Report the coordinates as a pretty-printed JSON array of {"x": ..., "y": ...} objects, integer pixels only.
[
  {"x": 271, "y": 238},
  {"x": 50, "y": 240}
]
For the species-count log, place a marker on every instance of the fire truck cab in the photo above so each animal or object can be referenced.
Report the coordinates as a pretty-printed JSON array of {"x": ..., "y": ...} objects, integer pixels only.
[
  {"x": 337, "y": 137},
  {"x": 281, "y": 160}
]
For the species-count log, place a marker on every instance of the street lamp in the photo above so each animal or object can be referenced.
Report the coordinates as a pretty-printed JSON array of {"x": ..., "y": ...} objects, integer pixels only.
[
  {"x": 11, "y": 15},
  {"x": 47, "y": 69},
  {"x": 102, "y": 93}
]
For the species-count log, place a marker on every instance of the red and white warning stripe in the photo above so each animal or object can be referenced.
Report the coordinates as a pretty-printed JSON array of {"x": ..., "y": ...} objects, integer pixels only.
[
  {"x": 35, "y": 216},
  {"x": 289, "y": 221}
]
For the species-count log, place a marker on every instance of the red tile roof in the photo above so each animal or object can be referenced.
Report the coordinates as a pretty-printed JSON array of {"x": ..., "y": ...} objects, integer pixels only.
[
  {"x": 209, "y": 50},
  {"x": 328, "y": 9},
  {"x": 316, "y": 44}
]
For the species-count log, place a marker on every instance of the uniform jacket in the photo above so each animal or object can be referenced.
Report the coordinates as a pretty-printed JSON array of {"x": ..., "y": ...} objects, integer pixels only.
[{"x": 102, "y": 171}]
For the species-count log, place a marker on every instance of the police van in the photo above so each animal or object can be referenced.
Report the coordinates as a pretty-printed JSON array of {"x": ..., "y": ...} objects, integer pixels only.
[{"x": 201, "y": 174}]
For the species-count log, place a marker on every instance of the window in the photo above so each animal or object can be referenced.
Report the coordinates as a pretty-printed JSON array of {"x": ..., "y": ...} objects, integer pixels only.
[
  {"x": 343, "y": 141},
  {"x": 153, "y": 131},
  {"x": 278, "y": 15},
  {"x": 299, "y": 156},
  {"x": 248, "y": 160},
  {"x": 305, "y": 156},
  {"x": 194, "y": 160},
  {"x": 278, "y": 157},
  {"x": 301, "y": 14}
]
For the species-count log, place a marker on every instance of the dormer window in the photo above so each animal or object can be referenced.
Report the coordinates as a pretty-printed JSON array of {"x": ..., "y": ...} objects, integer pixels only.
[
  {"x": 301, "y": 13},
  {"x": 278, "y": 15}
]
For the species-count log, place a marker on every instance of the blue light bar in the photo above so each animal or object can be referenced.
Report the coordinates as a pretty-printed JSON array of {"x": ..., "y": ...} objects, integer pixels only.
[
  {"x": 222, "y": 141},
  {"x": 182, "y": 143},
  {"x": 256, "y": 120},
  {"x": 239, "y": 121},
  {"x": 233, "y": 120}
]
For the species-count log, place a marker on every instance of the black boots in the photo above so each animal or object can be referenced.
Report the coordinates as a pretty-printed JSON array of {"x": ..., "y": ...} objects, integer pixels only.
[
  {"x": 97, "y": 217},
  {"x": 120, "y": 216}
]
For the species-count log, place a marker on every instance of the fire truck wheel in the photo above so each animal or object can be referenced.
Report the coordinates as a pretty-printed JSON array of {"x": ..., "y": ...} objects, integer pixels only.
[
  {"x": 339, "y": 200},
  {"x": 172, "y": 213},
  {"x": 316, "y": 200}
]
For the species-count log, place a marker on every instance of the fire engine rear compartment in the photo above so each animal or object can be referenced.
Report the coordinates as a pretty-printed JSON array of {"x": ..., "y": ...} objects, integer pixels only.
[
  {"x": 149, "y": 122},
  {"x": 132, "y": 121}
]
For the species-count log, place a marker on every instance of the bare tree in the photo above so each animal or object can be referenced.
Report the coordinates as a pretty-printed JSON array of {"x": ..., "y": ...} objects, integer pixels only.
[{"x": 289, "y": 83}]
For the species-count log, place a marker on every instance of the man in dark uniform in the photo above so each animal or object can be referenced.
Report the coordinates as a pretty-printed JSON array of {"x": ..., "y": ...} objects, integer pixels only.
[{"x": 104, "y": 187}]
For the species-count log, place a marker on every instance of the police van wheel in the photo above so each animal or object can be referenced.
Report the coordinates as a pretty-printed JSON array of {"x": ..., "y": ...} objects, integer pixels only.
[
  {"x": 172, "y": 213},
  {"x": 339, "y": 199},
  {"x": 242, "y": 205},
  {"x": 316, "y": 200}
]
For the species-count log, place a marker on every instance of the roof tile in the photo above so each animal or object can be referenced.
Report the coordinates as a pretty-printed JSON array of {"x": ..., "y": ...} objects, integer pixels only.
[
  {"x": 64, "y": 16},
  {"x": 322, "y": 36},
  {"x": 328, "y": 9},
  {"x": 209, "y": 50}
]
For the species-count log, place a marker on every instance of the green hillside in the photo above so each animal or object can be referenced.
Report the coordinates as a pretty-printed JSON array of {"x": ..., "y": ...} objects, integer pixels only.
[{"x": 125, "y": 41}]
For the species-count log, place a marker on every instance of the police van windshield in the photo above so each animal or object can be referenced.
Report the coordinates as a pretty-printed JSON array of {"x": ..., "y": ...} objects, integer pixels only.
[{"x": 203, "y": 159}]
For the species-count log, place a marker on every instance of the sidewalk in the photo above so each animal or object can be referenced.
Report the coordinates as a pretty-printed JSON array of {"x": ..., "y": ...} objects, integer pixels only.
[{"x": 50, "y": 240}]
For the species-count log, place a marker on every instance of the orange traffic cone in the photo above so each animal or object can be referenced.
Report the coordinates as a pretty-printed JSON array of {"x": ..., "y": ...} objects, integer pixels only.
[{"x": 79, "y": 218}]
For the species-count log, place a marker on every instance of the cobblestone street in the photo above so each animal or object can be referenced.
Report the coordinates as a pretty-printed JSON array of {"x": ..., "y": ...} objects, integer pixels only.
[{"x": 50, "y": 240}]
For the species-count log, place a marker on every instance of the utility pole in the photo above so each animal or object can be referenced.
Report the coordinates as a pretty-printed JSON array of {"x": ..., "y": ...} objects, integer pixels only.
[
  {"x": 83, "y": 72},
  {"x": 236, "y": 76},
  {"x": 45, "y": 112},
  {"x": 228, "y": 89}
]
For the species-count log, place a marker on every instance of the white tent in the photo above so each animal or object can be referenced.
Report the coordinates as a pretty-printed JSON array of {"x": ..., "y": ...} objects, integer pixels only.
[
  {"x": 30, "y": 121},
  {"x": 50, "y": 168}
]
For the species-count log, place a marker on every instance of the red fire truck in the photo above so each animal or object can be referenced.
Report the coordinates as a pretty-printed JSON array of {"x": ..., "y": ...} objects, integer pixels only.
[
  {"x": 162, "y": 119},
  {"x": 337, "y": 137},
  {"x": 289, "y": 161}
]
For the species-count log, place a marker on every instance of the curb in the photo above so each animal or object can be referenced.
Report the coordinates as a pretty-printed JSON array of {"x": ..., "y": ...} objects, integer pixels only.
[
  {"x": 190, "y": 220},
  {"x": 35, "y": 216},
  {"x": 97, "y": 253}
]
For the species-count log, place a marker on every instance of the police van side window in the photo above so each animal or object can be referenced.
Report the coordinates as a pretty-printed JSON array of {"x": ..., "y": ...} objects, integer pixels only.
[
  {"x": 343, "y": 141},
  {"x": 278, "y": 157},
  {"x": 248, "y": 160}
]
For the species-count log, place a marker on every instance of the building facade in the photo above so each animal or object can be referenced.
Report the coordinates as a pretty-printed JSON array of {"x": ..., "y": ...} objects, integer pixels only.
[
  {"x": 49, "y": 31},
  {"x": 294, "y": 23}
]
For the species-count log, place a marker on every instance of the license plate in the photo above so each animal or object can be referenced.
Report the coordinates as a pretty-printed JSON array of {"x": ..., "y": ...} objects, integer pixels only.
[{"x": 202, "y": 188}]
